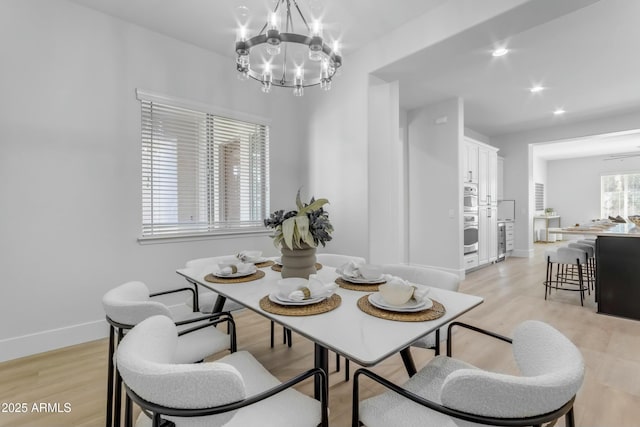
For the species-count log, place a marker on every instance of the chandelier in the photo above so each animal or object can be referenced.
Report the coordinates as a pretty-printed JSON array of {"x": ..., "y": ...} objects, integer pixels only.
[{"x": 289, "y": 59}]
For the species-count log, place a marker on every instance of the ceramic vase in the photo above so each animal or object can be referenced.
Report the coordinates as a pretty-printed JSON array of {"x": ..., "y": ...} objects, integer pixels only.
[{"x": 298, "y": 262}]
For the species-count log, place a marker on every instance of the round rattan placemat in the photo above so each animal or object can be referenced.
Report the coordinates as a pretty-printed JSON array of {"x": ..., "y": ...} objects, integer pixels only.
[
  {"x": 264, "y": 264},
  {"x": 434, "y": 312},
  {"x": 259, "y": 274},
  {"x": 278, "y": 267},
  {"x": 364, "y": 287},
  {"x": 324, "y": 306}
]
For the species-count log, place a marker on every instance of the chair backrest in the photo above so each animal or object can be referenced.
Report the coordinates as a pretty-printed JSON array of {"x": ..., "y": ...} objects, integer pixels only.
[
  {"x": 552, "y": 370},
  {"x": 424, "y": 276},
  {"x": 200, "y": 263},
  {"x": 129, "y": 304},
  {"x": 336, "y": 260},
  {"x": 145, "y": 357}
]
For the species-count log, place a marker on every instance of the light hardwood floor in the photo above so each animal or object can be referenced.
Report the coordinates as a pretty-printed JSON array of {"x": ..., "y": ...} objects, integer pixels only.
[{"x": 512, "y": 290}]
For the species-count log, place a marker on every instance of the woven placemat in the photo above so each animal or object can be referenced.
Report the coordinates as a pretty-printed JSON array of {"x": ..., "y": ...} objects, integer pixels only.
[
  {"x": 259, "y": 274},
  {"x": 434, "y": 312},
  {"x": 323, "y": 306},
  {"x": 364, "y": 287},
  {"x": 264, "y": 264},
  {"x": 278, "y": 267}
]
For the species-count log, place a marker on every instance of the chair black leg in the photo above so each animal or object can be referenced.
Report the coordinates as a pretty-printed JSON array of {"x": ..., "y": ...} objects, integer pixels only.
[
  {"x": 569, "y": 419},
  {"x": 337, "y": 362},
  {"x": 109, "y": 414},
  {"x": 346, "y": 370},
  {"x": 289, "y": 338},
  {"x": 118, "y": 392}
]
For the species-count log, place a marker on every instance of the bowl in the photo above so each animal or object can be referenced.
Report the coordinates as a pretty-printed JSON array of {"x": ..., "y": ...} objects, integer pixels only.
[{"x": 395, "y": 294}]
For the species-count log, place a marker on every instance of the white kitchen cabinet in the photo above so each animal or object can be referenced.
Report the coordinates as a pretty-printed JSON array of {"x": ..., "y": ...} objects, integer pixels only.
[
  {"x": 487, "y": 175},
  {"x": 487, "y": 234},
  {"x": 509, "y": 236},
  {"x": 470, "y": 162}
]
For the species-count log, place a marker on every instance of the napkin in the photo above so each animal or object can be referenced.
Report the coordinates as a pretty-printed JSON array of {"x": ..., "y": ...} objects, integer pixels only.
[
  {"x": 249, "y": 256},
  {"x": 229, "y": 269},
  {"x": 420, "y": 292},
  {"x": 350, "y": 269},
  {"x": 315, "y": 288}
]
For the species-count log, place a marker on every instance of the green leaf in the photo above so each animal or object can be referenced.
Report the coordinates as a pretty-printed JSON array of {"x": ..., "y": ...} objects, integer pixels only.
[
  {"x": 302, "y": 224},
  {"x": 288, "y": 230},
  {"x": 298, "y": 201},
  {"x": 313, "y": 206}
]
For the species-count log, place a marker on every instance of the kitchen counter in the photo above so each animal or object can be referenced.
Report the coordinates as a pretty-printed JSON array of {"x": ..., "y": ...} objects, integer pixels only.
[{"x": 615, "y": 230}]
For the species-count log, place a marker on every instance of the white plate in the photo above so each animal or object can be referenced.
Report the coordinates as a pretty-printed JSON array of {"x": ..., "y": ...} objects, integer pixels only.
[
  {"x": 363, "y": 281},
  {"x": 412, "y": 305},
  {"x": 273, "y": 297},
  {"x": 234, "y": 275}
]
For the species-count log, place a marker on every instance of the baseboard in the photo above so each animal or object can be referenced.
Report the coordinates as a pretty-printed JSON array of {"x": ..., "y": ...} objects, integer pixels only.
[
  {"x": 52, "y": 339},
  {"x": 522, "y": 253}
]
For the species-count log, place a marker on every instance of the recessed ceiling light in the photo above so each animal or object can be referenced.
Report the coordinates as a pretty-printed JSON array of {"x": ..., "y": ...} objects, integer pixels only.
[
  {"x": 536, "y": 89},
  {"x": 559, "y": 112},
  {"x": 501, "y": 51}
]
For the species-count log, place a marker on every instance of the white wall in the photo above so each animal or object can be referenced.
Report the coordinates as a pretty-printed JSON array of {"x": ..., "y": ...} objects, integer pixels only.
[
  {"x": 386, "y": 175},
  {"x": 517, "y": 151},
  {"x": 339, "y": 121},
  {"x": 435, "y": 185},
  {"x": 574, "y": 185},
  {"x": 70, "y": 164}
]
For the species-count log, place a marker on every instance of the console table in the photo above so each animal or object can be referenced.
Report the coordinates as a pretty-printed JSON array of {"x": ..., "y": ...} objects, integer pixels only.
[{"x": 546, "y": 219}]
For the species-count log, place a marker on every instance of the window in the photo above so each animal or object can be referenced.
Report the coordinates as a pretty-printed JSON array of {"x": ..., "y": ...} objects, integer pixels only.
[
  {"x": 620, "y": 195},
  {"x": 201, "y": 173},
  {"x": 539, "y": 195}
]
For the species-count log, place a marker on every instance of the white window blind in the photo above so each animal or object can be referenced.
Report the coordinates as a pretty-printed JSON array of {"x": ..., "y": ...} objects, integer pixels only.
[{"x": 201, "y": 173}]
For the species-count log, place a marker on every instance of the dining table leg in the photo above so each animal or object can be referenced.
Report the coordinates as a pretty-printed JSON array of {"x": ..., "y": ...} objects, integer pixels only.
[
  {"x": 407, "y": 359},
  {"x": 217, "y": 307},
  {"x": 321, "y": 356}
]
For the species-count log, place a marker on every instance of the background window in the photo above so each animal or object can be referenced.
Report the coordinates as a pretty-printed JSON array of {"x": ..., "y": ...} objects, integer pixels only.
[
  {"x": 620, "y": 195},
  {"x": 201, "y": 173}
]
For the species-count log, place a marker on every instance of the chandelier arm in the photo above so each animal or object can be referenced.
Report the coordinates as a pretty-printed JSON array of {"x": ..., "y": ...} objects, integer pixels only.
[{"x": 295, "y": 3}]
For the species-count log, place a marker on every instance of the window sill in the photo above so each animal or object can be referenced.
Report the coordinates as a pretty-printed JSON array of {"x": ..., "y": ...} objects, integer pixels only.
[{"x": 227, "y": 234}]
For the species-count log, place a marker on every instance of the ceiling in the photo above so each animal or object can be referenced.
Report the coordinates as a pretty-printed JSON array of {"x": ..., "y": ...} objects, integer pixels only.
[{"x": 585, "y": 57}]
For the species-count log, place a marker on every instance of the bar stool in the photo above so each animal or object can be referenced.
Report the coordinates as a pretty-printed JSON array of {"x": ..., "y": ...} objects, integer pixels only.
[
  {"x": 589, "y": 269},
  {"x": 569, "y": 264}
]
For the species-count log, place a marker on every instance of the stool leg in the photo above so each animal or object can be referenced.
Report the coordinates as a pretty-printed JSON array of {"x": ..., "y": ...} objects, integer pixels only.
[
  {"x": 109, "y": 415},
  {"x": 580, "y": 283}
]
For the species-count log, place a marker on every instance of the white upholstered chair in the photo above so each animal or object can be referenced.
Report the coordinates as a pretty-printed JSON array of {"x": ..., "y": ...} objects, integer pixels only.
[
  {"x": 234, "y": 391},
  {"x": 450, "y": 393},
  {"x": 429, "y": 277},
  {"x": 130, "y": 303},
  {"x": 337, "y": 260}
]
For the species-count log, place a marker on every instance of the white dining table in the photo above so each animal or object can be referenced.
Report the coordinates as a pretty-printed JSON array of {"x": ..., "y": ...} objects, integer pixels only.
[{"x": 346, "y": 330}]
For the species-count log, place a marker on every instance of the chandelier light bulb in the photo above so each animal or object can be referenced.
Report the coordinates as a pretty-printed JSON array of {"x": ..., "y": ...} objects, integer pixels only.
[{"x": 274, "y": 21}]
